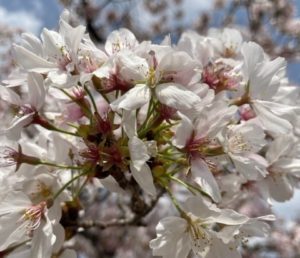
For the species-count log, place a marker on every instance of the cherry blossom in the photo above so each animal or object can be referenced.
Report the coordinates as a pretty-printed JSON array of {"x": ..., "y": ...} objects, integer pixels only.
[{"x": 202, "y": 128}]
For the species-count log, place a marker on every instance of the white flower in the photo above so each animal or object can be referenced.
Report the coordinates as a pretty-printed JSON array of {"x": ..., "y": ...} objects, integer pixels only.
[
  {"x": 264, "y": 78},
  {"x": 26, "y": 251},
  {"x": 199, "y": 47},
  {"x": 25, "y": 109},
  {"x": 283, "y": 167},
  {"x": 152, "y": 114},
  {"x": 199, "y": 136},
  {"x": 242, "y": 143},
  {"x": 195, "y": 231},
  {"x": 172, "y": 238},
  {"x": 21, "y": 220},
  {"x": 56, "y": 55},
  {"x": 165, "y": 76},
  {"x": 230, "y": 41},
  {"x": 118, "y": 40}
]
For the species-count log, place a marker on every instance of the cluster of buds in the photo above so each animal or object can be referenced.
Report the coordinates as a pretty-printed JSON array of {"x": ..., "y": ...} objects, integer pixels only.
[{"x": 211, "y": 117}]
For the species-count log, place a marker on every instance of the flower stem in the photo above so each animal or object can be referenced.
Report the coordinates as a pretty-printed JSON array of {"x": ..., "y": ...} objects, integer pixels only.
[
  {"x": 174, "y": 201},
  {"x": 46, "y": 124},
  {"x": 91, "y": 98},
  {"x": 69, "y": 183},
  {"x": 47, "y": 163}
]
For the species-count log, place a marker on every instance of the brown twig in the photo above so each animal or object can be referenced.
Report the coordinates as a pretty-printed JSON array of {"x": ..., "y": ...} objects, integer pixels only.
[{"x": 135, "y": 220}]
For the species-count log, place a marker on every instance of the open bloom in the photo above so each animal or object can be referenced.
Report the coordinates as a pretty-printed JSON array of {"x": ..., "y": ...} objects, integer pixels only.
[
  {"x": 56, "y": 55},
  {"x": 22, "y": 221},
  {"x": 140, "y": 116},
  {"x": 264, "y": 80},
  {"x": 242, "y": 142},
  {"x": 120, "y": 40},
  {"x": 283, "y": 169},
  {"x": 163, "y": 78},
  {"x": 197, "y": 230},
  {"x": 198, "y": 139},
  {"x": 25, "y": 109}
]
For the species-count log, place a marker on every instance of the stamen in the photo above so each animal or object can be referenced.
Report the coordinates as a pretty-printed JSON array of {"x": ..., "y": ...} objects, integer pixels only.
[
  {"x": 32, "y": 217},
  {"x": 237, "y": 143},
  {"x": 8, "y": 156},
  {"x": 200, "y": 239}
]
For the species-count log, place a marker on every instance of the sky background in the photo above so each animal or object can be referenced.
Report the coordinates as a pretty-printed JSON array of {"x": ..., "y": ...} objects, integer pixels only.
[{"x": 33, "y": 15}]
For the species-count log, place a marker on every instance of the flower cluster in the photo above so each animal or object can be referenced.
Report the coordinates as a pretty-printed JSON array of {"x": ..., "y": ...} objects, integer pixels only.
[{"x": 213, "y": 117}]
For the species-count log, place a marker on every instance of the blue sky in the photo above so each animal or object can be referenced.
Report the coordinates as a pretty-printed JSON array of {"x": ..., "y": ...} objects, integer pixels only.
[
  {"x": 30, "y": 15},
  {"x": 33, "y": 15}
]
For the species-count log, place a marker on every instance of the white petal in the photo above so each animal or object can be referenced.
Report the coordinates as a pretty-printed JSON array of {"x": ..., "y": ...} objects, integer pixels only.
[
  {"x": 288, "y": 112},
  {"x": 68, "y": 253},
  {"x": 252, "y": 169},
  {"x": 220, "y": 250},
  {"x": 58, "y": 77},
  {"x": 183, "y": 132},
  {"x": 171, "y": 225},
  {"x": 288, "y": 165},
  {"x": 176, "y": 61},
  {"x": 183, "y": 247},
  {"x": 54, "y": 213},
  {"x": 201, "y": 245},
  {"x": 144, "y": 178},
  {"x": 170, "y": 246},
  {"x": 14, "y": 202},
  {"x": 135, "y": 98},
  {"x": 172, "y": 240},
  {"x": 36, "y": 90},
  {"x": 199, "y": 207},
  {"x": 30, "y": 61},
  {"x": 204, "y": 178},
  {"x": 43, "y": 240},
  {"x": 119, "y": 40},
  {"x": 104, "y": 71},
  {"x": 279, "y": 147},
  {"x": 256, "y": 227},
  {"x": 12, "y": 232},
  {"x": 10, "y": 96},
  {"x": 61, "y": 149},
  {"x": 22, "y": 251},
  {"x": 280, "y": 188},
  {"x": 264, "y": 84},
  {"x": 72, "y": 36},
  {"x": 271, "y": 122},
  {"x": 13, "y": 132},
  {"x": 230, "y": 217},
  {"x": 138, "y": 152},
  {"x": 112, "y": 185},
  {"x": 59, "y": 232},
  {"x": 32, "y": 43},
  {"x": 253, "y": 55},
  {"x": 129, "y": 122},
  {"x": 213, "y": 119},
  {"x": 132, "y": 67},
  {"x": 52, "y": 43},
  {"x": 178, "y": 97}
]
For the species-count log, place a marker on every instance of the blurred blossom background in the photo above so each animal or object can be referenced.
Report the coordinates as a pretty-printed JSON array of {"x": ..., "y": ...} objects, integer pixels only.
[{"x": 274, "y": 24}]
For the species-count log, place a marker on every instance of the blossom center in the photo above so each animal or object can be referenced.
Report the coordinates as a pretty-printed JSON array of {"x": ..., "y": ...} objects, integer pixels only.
[
  {"x": 238, "y": 144},
  {"x": 33, "y": 216},
  {"x": 200, "y": 239}
]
